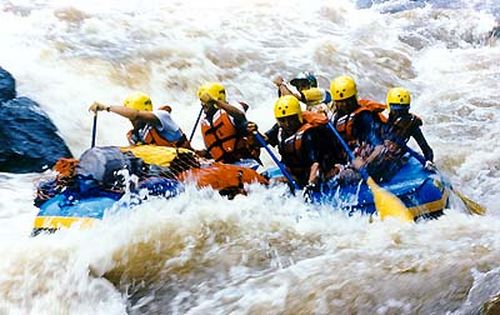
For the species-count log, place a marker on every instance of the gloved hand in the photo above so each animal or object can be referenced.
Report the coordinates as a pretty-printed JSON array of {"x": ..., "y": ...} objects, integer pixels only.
[
  {"x": 308, "y": 191},
  {"x": 430, "y": 166},
  {"x": 96, "y": 107}
]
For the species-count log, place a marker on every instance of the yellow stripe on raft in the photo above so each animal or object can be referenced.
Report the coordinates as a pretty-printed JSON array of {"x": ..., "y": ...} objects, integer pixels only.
[
  {"x": 54, "y": 222},
  {"x": 158, "y": 155},
  {"x": 432, "y": 206}
]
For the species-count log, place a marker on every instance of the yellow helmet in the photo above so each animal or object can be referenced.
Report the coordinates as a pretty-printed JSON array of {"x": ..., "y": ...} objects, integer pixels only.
[
  {"x": 286, "y": 106},
  {"x": 399, "y": 96},
  {"x": 138, "y": 101},
  {"x": 343, "y": 87},
  {"x": 215, "y": 89}
]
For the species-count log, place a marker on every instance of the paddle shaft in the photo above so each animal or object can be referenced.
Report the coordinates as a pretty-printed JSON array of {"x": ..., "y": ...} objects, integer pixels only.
[
  {"x": 195, "y": 125},
  {"x": 94, "y": 130},
  {"x": 293, "y": 184}
]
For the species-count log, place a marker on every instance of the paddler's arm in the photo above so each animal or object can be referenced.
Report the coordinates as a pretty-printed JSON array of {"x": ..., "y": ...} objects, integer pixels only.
[
  {"x": 422, "y": 143},
  {"x": 285, "y": 89},
  {"x": 313, "y": 174},
  {"x": 233, "y": 111},
  {"x": 359, "y": 163},
  {"x": 270, "y": 136},
  {"x": 130, "y": 113},
  {"x": 313, "y": 154},
  {"x": 312, "y": 148}
]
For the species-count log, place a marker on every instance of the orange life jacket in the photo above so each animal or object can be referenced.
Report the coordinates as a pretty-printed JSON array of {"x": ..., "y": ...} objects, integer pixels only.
[
  {"x": 345, "y": 123},
  {"x": 152, "y": 136},
  {"x": 291, "y": 148},
  {"x": 224, "y": 142}
]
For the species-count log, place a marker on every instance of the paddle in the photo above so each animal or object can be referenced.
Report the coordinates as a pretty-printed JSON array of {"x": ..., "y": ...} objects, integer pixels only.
[
  {"x": 195, "y": 125},
  {"x": 293, "y": 185},
  {"x": 387, "y": 204},
  {"x": 94, "y": 130},
  {"x": 470, "y": 204}
]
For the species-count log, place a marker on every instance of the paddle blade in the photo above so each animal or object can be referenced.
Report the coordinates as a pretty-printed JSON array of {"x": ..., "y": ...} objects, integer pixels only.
[
  {"x": 470, "y": 204},
  {"x": 387, "y": 204}
]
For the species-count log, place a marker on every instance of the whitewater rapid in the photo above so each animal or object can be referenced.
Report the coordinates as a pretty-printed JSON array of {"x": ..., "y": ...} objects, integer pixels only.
[{"x": 265, "y": 253}]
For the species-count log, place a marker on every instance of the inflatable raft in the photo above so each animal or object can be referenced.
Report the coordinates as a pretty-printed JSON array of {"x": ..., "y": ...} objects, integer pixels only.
[
  {"x": 72, "y": 208},
  {"x": 88, "y": 190},
  {"x": 424, "y": 192}
]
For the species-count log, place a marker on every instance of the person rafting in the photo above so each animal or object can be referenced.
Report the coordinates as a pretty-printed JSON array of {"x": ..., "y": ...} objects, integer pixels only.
[
  {"x": 224, "y": 127},
  {"x": 358, "y": 121},
  {"x": 306, "y": 146},
  {"x": 402, "y": 125},
  {"x": 305, "y": 88},
  {"x": 360, "y": 124},
  {"x": 149, "y": 126}
]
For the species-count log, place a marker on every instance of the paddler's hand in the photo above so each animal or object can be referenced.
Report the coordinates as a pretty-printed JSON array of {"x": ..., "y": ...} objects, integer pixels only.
[
  {"x": 278, "y": 80},
  {"x": 252, "y": 127},
  {"x": 206, "y": 98},
  {"x": 97, "y": 107},
  {"x": 358, "y": 163},
  {"x": 430, "y": 166}
]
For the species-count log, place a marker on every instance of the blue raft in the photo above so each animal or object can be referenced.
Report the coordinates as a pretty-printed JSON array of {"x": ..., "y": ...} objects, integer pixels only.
[
  {"x": 424, "y": 193},
  {"x": 74, "y": 208}
]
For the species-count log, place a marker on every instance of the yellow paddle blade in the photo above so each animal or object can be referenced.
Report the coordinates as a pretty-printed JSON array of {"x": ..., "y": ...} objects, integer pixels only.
[
  {"x": 387, "y": 204},
  {"x": 471, "y": 205}
]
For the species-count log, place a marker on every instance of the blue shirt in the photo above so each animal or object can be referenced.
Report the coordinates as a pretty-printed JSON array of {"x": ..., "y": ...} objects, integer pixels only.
[{"x": 167, "y": 128}]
